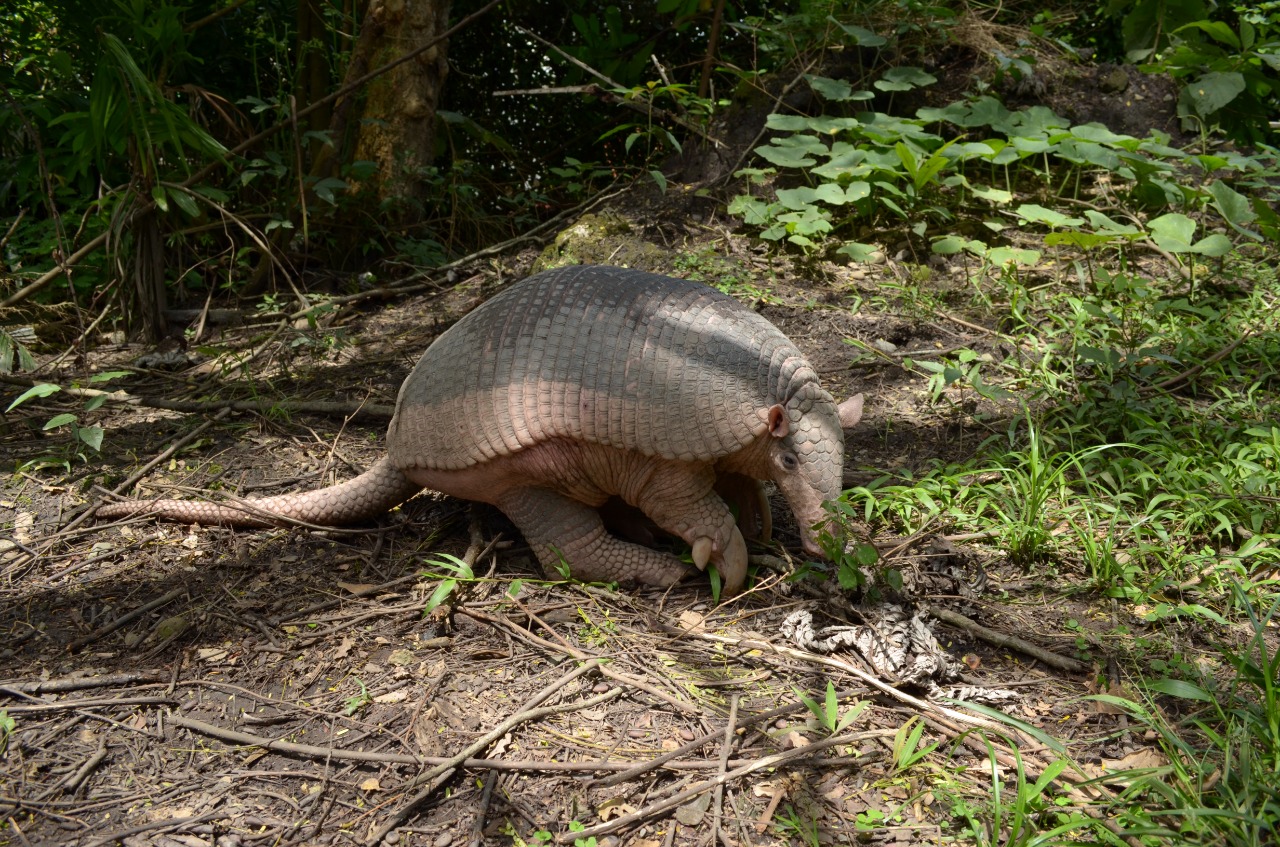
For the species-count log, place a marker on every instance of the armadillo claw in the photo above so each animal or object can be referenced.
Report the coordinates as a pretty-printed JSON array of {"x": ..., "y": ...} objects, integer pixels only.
[
  {"x": 702, "y": 551},
  {"x": 733, "y": 568},
  {"x": 766, "y": 517}
]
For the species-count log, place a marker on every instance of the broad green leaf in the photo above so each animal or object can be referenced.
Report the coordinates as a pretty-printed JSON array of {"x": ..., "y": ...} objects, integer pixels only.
[
  {"x": 835, "y": 90},
  {"x": 859, "y": 36},
  {"x": 797, "y": 198},
  {"x": 186, "y": 203},
  {"x": 830, "y": 192},
  {"x": 948, "y": 245},
  {"x": 160, "y": 198},
  {"x": 973, "y": 150},
  {"x": 1181, "y": 689},
  {"x": 988, "y": 111},
  {"x": 997, "y": 196},
  {"x": 1020, "y": 256},
  {"x": 1234, "y": 207},
  {"x": 1101, "y": 135},
  {"x": 325, "y": 188},
  {"x": 44, "y": 389},
  {"x": 1030, "y": 145},
  {"x": 1172, "y": 232},
  {"x": 107, "y": 376},
  {"x": 1217, "y": 30},
  {"x": 787, "y": 123},
  {"x": 956, "y": 113},
  {"x": 91, "y": 435},
  {"x": 904, "y": 78},
  {"x": 1088, "y": 153},
  {"x": 1216, "y": 244},
  {"x": 1214, "y": 90},
  {"x": 1035, "y": 213},
  {"x": 785, "y": 157},
  {"x": 858, "y": 252},
  {"x": 59, "y": 420},
  {"x": 1038, "y": 119},
  {"x": 660, "y": 179},
  {"x": 846, "y": 163},
  {"x": 754, "y": 211},
  {"x": 1083, "y": 240},
  {"x": 856, "y": 191},
  {"x": 1102, "y": 223},
  {"x": 832, "y": 125}
]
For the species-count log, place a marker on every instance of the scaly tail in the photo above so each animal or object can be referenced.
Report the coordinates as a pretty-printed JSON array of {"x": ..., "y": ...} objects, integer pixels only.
[{"x": 375, "y": 491}]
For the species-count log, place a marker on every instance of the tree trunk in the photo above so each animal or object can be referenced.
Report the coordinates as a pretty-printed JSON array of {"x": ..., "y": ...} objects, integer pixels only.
[{"x": 397, "y": 125}]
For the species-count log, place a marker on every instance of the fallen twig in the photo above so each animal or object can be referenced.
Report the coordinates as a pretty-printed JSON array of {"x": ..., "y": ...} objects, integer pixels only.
[
  {"x": 923, "y": 706},
  {"x": 1000, "y": 639},
  {"x": 699, "y": 787},
  {"x": 124, "y": 619},
  {"x": 77, "y": 683},
  {"x": 569, "y": 650},
  {"x": 438, "y": 775},
  {"x": 94, "y": 703},
  {"x": 352, "y": 410}
]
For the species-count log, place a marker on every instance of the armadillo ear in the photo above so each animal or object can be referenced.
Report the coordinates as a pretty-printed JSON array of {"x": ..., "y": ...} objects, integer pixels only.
[
  {"x": 851, "y": 412},
  {"x": 779, "y": 426}
]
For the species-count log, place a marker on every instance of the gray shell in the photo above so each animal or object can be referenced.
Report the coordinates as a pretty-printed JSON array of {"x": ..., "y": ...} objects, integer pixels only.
[{"x": 618, "y": 357}]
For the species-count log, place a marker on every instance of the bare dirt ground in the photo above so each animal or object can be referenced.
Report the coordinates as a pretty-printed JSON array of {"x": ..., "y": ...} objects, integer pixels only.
[{"x": 176, "y": 685}]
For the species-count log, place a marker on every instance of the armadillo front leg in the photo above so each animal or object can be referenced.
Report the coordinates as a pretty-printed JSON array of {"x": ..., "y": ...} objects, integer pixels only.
[
  {"x": 562, "y": 529},
  {"x": 680, "y": 499}
]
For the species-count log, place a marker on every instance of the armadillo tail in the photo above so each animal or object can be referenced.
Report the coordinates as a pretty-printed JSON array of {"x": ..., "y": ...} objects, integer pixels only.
[{"x": 378, "y": 489}]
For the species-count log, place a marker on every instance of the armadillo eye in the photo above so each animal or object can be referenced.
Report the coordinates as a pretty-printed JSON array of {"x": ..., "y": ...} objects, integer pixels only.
[{"x": 790, "y": 462}]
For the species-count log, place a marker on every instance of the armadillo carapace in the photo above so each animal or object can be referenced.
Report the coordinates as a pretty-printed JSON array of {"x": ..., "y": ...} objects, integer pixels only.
[{"x": 587, "y": 383}]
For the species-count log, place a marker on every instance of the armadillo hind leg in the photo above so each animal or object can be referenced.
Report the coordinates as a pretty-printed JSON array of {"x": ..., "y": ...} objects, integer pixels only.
[{"x": 560, "y": 529}]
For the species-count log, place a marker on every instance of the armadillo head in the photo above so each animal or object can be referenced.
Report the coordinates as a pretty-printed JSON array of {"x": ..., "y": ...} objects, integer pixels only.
[{"x": 806, "y": 456}]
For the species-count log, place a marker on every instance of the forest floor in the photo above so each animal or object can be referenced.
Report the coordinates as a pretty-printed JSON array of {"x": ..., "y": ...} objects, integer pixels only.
[
  {"x": 187, "y": 686},
  {"x": 184, "y": 685}
]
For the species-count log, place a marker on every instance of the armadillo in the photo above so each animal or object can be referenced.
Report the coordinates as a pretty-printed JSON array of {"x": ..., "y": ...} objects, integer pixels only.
[{"x": 587, "y": 383}]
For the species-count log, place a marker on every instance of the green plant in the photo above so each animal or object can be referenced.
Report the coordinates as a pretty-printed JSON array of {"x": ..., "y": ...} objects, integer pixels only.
[
  {"x": 575, "y": 826},
  {"x": 82, "y": 435},
  {"x": 828, "y": 712},
  {"x": 907, "y": 751},
  {"x": 1034, "y": 481},
  {"x": 14, "y": 356},
  {"x": 455, "y": 570},
  {"x": 1220, "y": 777},
  {"x": 1231, "y": 75},
  {"x": 1024, "y": 813},
  {"x": 802, "y": 829},
  {"x": 359, "y": 701},
  {"x": 7, "y": 726}
]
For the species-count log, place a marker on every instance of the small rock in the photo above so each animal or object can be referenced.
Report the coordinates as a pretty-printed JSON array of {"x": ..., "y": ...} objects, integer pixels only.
[
  {"x": 444, "y": 839},
  {"x": 884, "y": 346},
  {"x": 1113, "y": 82}
]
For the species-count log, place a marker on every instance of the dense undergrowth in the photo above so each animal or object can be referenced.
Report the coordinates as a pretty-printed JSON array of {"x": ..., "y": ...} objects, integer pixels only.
[{"x": 1135, "y": 446}]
